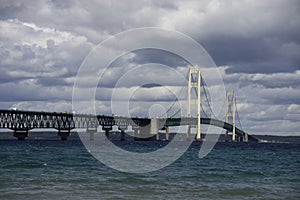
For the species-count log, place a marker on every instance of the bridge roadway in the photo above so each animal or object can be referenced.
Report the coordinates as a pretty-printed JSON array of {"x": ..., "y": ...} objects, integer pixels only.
[{"x": 23, "y": 121}]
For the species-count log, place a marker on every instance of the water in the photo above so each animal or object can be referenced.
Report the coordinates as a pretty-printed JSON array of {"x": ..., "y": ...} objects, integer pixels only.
[{"x": 49, "y": 169}]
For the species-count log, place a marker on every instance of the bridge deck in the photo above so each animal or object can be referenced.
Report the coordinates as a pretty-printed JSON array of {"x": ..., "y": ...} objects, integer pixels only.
[{"x": 27, "y": 120}]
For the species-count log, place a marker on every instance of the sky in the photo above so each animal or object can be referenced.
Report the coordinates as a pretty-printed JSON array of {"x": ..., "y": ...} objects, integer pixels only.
[{"x": 255, "y": 45}]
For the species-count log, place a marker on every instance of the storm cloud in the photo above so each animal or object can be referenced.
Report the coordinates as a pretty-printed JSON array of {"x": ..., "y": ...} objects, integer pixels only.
[{"x": 256, "y": 45}]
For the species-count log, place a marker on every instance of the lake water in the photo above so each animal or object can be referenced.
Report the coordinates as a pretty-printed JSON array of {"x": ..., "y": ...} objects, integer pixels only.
[{"x": 53, "y": 169}]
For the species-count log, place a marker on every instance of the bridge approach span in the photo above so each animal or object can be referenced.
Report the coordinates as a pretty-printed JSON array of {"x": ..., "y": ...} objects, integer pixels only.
[{"x": 18, "y": 120}]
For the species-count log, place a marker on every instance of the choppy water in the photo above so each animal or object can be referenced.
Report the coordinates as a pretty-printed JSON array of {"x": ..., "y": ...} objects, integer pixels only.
[{"x": 53, "y": 169}]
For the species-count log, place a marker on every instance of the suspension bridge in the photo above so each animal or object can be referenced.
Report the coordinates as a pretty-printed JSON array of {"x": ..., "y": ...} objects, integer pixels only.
[{"x": 21, "y": 122}]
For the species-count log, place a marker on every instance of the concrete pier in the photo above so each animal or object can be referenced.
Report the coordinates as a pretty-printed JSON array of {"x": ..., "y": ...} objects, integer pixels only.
[
  {"x": 245, "y": 137},
  {"x": 154, "y": 128},
  {"x": 21, "y": 135},
  {"x": 226, "y": 137},
  {"x": 136, "y": 132},
  {"x": 188, "y": 132},
  {"x": 64, "y": 134},
  {"x": 122, "y": 135},
  {"x": 144, "y": 134},
  {"x": 122, "y": 129},
  {"x": 167, "y": 133},
  {"x": 107, "y": 129}
]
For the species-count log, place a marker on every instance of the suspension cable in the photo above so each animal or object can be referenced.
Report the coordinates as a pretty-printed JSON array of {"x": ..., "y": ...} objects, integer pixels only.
[
  {"x": 197, "y": 96},
  {"x": 180, "y": 108},
  {"x": 238, "y": 117},
  {"x": 203, "y": 84},
  {"x": 206, "y": 96},
  {"x": 174, "y": 104}
]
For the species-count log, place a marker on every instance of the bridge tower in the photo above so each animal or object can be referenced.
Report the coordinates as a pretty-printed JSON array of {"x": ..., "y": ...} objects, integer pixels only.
[
  {"x": 230, "y": 112},
  {"x": 194, "y": 79}
]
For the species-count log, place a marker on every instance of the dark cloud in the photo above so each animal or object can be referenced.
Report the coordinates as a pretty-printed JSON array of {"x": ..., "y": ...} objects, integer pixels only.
[
  {"x": 4, "y": 77},
  {"x": 282, "y": 96},
  {"x": 43, "y": 43},
  {"x": 151, "y": 85},
  {"x": 158, "y": 56},
  {"x": 168, "y": 5},
  {"x": 66, "y": 4},
  {"x": 254, "y": 55},
  {"x": 254, "y": 37},
  {"x": 274, "y": 80},
  {"x": 9, "y": 9},
  {"x": 54, "y": 81},
  {"x": 28, "y": 91}
]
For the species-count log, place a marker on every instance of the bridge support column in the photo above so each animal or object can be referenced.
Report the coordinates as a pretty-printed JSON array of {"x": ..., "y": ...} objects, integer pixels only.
[
  {"x": 21, "y": 135},
  {"x": 122, "y": 135},
  {"x": 245, "y": 137},
  {"x": 226, "y": 137},
  {"x": 136, "y": 132},
  {"x": 230, "y": 112},
  {"x": 194, "y": 82},
  {"x": 167, "y": 133},
  {"x": 188, "y": 132},
  {"x": 122, "y": 129},
  {"x": 64, "y": 134},
  {"x": 198, "y": 136},
  {"x": 233, "y": 139},
  {"x": 144, "y": 134},
  {"x": 107, "y": 129},
  {"x": 154, "y": 128}
]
